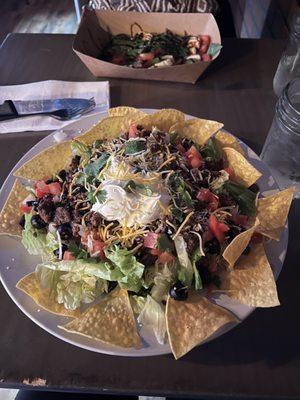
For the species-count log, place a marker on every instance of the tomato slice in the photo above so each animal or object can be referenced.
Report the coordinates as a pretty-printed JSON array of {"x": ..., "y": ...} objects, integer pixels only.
[
  {"x": 165, "y": 257},
  {"x": 150, "y": 240},
  {"x": 54, "y": 188},
  {"x": 68, "y": 256},
  {"x": 207, "y": 196},
  {"x": 133, "y": 132},
  {"x": 217, "y": 228},
  {"x": 205, "y": 42},
  {"x": 193, "y": 157}
]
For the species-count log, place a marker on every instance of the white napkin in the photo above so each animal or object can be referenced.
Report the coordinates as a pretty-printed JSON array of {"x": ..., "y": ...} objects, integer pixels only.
[{"x": 51, "y": 90}]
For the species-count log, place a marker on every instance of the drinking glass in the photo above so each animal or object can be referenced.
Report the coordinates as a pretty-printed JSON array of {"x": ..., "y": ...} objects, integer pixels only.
[
  {"x": 281, "y": 150},
  {"x": 289, "y": 64}
]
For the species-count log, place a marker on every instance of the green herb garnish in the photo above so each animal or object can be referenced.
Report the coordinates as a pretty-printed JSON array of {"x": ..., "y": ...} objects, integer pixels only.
[{"x": 135, "y": 146}]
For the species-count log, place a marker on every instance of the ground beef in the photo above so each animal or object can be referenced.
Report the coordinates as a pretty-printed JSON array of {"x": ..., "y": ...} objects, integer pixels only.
[
  {"x": 191, "y": 241},
  {"x": 46, "y": 209},
  {"x": 75, "y": 162},
  {"x": 146, "y": 258},
  {"x": 62, "y": 216},
  {"x": 225, "y": 200},
  {"x": 214, "y": 165},
  {"x": 75, "y": 230},
  {"x": 93, "y": 219},
  {"x": 76, "y": 216}
]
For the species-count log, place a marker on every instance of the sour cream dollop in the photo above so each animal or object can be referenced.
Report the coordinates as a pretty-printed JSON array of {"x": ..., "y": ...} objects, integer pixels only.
[{"x": 132, "y": 209}]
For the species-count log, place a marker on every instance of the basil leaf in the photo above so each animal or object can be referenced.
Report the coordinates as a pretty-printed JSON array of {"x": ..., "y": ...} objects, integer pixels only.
[
  {"x": 95, "y": 167},
  {"x": 244, "y": 197},
  {"x": 135, "y": 146}
]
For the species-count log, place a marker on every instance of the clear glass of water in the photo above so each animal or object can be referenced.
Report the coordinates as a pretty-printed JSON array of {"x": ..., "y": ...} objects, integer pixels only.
[
  {"x": 281, "y": 150},
  {"x": 289, "y": 64}
]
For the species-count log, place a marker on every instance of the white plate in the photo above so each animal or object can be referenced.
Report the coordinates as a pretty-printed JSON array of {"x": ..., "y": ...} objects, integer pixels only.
[{"x": 15, "y": 263}]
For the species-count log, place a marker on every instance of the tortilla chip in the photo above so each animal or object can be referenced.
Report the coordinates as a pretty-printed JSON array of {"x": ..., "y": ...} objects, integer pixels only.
[
  {"x": 198, "y": 130},
  {"x": 122, "y": 111},
  {"x": 225, "y": 139},
  {"x": 30, "y": 285},
  {"x": 244, "y": 173},
  {"x": 162, "y": 120},
  {"x": 46, "y": 163},
  {"x": 252, "y": 282},
  {"x": 110, "y": 321},
  {"x": 235, "y": 248},
  {"x": 10, "y": 214},
  {"x": 107, "y": 128},
  {"x": 272, "y": 212},
  {"x": 192, "y": 321}
]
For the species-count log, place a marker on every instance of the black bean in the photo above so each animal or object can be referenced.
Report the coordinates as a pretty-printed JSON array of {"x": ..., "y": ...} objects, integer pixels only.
[
  {"x": 62, "y": 174},
  {"x": 65, "y": 231},
  {"x": 179, "y": 291}
]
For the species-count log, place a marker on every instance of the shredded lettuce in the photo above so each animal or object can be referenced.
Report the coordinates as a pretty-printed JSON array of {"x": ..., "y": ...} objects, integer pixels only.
[
  {"x": 121, "y": 267},
  {"x": 163, "y": 281},
  {"x": 187, "y": 272},
  {"x": 71, "y": 288},
  {"x": 153, "y": 316},
  {"x": 128, "y": 266},
  {"x": 137, "y": 303},
  {"x": 198, "y": 281},
  {"x": 38, "y": 243}
]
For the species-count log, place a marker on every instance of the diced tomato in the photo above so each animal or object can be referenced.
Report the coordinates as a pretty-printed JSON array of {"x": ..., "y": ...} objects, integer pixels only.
[
  {"x": 205, "y": 57},
  {"x": 155, "y": 252},
  {"x": 180, "y": 148},
  {"x": 25, "y": 209},
  {"x": 193, "y": 157},
  {"x": 165, "y": 257},
  {"x": 98, "y": 249},
  {"x": 240, "y": 219},
  {"x": 54, "y": 188},
  {"x": 229, "y": 172},
  {"x": 217, "y": 228},
  {"x": 133, "y": 132},
  {"x": 150, "y": 240},
  {"x": 41, "y": 189},
  {"x": 208, "y": 197},
  {"x": 207, "y": 236},
  {"x": 146, "y": 57},
  {"x": 68, "y": 256},
  {"x": 256, "y": 238}
]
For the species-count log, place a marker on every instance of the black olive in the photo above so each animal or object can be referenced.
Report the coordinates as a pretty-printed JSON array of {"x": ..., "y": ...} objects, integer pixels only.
[
  {"x": 111, "y": 285},
  {"x": 65, "y": 231},
  {"x": 37, "y": 222},
  {"x": 179, "y": 291},
  {"x": 246, "y": 251},
  {"x": 62, "y": 174},
  {"x": 212, "y": 246},
  {"x": 254, "y": 188},
  {"x": 32, "y": 203},
  {"x": 22, "y": 221},
  {"x": 79, "y": 189},
  {"x": 64, "y": 248}
]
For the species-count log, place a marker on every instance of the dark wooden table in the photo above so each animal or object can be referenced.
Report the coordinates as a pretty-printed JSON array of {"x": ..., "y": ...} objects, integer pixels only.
[{"x": 259, "y": 358}]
